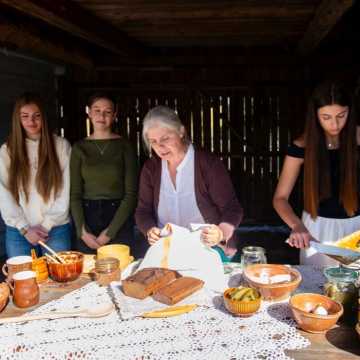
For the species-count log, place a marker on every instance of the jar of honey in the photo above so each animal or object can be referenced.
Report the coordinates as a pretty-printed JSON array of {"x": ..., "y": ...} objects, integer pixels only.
[
  {"x": 341, "y": 287},
  {"x": 107, "y": 270}
]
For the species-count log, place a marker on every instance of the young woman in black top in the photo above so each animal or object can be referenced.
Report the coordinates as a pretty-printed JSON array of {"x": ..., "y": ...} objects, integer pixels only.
[{"x": 328, "y": 150}]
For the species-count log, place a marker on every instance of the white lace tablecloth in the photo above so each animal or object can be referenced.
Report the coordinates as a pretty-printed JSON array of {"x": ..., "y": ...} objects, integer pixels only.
[{"x": 205, "y": 333}]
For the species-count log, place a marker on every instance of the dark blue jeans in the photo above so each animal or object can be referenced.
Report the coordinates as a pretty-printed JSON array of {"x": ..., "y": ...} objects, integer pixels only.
[
  {"x": 16, "y": 244},
  {"x": 98, "y": 216}
]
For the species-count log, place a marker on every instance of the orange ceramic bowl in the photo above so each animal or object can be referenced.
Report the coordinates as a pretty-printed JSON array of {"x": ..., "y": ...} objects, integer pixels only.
[
  {"x": 276, "y": 291},
  {"x": 301, "y": 306},
  {"x": 68, "y": 271},
  {"x": 241, "y": 308}
]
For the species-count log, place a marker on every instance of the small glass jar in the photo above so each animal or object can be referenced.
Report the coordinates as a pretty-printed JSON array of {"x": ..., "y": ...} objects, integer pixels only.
[
  {"x": 252, "y": 255},
  {"x": 107, "y": 270},
  {"x": 341, "y": 287}
]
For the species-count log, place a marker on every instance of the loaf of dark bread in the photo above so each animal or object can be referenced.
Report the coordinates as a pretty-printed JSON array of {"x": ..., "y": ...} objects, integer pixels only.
[
  {"x": 147, "y": 281},
  {"x": 177, "y": 290}
]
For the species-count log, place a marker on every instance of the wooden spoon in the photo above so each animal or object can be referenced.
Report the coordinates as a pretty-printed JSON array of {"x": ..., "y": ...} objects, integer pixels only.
[
  {"x": 93, "y": 312},
  {"x": 52, "y": 252}
]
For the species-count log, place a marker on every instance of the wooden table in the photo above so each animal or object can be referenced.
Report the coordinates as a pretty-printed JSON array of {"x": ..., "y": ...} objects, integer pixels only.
[{"x": 340, "y": 343}]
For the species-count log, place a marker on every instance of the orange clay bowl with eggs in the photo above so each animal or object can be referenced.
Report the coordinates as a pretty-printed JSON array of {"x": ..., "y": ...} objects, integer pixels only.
[
  {"x": 242, "y": 301},
  {"x": 70, "y": 269},
  {"x": 315, "y": 313},
  {"x": 274, "y": 282}
]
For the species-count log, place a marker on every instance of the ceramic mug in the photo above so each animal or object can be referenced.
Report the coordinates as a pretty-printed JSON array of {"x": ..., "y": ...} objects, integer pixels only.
[
  {"x": 25, "y": 289},
  {"x": 15, "y": 264}
]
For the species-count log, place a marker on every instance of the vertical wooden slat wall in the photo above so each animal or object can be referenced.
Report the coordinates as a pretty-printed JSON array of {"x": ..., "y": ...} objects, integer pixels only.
[{"x": 249, "y": 128}]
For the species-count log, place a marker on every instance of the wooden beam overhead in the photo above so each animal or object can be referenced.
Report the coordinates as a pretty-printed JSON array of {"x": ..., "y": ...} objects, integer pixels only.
[
  {"x": 328, "y": 13},
  {"x": 23, "y": 38},
  {"x": 73, "y": 19}
]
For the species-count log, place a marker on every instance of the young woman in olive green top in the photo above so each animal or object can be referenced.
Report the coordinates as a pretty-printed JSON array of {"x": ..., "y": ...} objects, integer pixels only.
[{"x": 103, "y": 172}]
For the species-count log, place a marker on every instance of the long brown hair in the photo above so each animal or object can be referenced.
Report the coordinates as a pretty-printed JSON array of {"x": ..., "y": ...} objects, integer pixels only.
[
  {"x": 48, "y": 178},
  {"x": 317, "y": 184}
]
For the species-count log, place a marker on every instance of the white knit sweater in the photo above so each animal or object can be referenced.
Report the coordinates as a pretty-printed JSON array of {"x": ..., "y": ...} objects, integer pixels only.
[{"x": 35, "y": 212}]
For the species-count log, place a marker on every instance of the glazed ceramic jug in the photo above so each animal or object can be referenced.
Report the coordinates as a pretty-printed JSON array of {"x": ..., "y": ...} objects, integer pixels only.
[{"x": 25, "y": 289}]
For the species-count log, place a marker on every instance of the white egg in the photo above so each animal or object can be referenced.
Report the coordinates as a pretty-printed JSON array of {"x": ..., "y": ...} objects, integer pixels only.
[{"x": 320, "y": 310}]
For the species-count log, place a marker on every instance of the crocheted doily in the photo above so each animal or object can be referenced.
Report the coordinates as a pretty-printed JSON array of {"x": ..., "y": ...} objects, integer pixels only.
[{"x": 205, "y": 333}]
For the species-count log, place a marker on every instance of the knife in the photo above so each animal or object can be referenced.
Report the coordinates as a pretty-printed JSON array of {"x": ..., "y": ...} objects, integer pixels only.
[{"x": 335, "y": 250}]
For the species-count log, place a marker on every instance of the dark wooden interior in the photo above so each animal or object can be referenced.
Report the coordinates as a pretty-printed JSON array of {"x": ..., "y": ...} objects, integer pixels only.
[{"x": 238, "y": 72}]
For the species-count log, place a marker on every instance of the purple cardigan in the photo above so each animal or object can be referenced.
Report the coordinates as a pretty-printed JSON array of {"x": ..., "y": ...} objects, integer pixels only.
[{"x": 214, "y": 192}]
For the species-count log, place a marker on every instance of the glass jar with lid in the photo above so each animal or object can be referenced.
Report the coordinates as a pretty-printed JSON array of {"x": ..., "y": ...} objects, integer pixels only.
[
  {"x": 252, "y": 255},
  {"x": 341, "y": 287},
  {"x": 107, "y": 270}
]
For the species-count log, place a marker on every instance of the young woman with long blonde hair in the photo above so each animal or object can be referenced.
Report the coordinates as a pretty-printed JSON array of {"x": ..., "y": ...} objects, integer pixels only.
[{"x": 34, "y": 181}]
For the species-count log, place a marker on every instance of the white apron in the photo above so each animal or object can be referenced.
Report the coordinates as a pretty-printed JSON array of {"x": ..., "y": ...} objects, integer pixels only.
[{"x": 325, "y": 230}]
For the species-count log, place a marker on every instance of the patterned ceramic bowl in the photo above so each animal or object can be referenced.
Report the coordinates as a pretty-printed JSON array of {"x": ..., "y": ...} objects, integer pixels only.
[
  {"x": 241, "y": 308},
  {"x": 71, "y": 268}
]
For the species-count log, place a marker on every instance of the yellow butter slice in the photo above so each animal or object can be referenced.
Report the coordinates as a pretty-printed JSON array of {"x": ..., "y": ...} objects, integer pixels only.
[{"x": 170, "y": 311}]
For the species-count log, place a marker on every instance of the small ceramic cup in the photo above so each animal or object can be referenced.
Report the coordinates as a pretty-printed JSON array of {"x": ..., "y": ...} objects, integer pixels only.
[
  {"x": 16, "y": 264},
  {"x": 25, "y": 289}
]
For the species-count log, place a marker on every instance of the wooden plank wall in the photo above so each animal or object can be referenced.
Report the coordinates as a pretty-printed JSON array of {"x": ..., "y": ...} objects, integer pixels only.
[{"x": 248, "y": 128}]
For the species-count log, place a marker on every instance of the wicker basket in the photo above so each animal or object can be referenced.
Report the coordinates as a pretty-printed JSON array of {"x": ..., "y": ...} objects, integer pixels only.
[{"x": 4, "y": 295}]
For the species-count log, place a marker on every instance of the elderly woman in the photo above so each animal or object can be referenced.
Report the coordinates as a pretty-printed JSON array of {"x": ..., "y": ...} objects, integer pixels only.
[{"x": 183, "y": 185}]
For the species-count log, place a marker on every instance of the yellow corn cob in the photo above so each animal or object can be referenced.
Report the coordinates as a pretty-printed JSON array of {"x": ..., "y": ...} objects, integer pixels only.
[
  {"x": 170, "y": 311},
  {"x": 351, "y": 241}
]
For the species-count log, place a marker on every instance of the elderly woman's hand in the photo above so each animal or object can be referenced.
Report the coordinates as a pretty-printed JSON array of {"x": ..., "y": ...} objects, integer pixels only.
[
  {"x": 212, "y": 235},
  {"x": 153, "y": 235}
]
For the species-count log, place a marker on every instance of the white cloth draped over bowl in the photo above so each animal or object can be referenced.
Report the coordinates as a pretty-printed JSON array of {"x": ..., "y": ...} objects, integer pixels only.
[{"x": 184, "y": 251}]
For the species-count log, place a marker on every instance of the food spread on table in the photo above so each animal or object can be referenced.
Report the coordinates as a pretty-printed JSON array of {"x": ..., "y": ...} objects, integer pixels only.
[{"x": 172, "y": 284}]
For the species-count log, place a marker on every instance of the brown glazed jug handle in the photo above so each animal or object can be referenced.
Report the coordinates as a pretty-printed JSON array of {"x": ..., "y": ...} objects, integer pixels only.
[{"x": 3, "y": 270}]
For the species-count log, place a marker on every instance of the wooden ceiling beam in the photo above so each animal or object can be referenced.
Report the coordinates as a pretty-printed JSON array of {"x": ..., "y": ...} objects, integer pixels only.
[
  {"x": 73, "y": 19},
  {"x": 328, "y": 13},
  {"x": 123, "y": 11},
  {"x": 13, "y": 36},
  {"x": 186, "y": 59}
]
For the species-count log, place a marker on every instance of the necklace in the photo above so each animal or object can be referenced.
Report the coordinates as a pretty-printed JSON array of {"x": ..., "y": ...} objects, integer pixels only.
[
  {"x": 331, "y": 146},
  {"x": 101, "y": 150}
]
